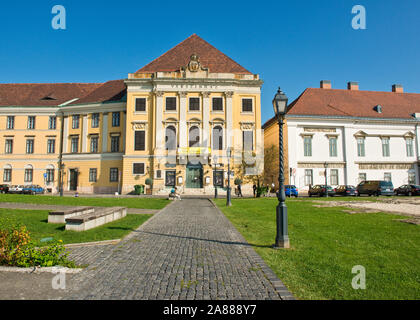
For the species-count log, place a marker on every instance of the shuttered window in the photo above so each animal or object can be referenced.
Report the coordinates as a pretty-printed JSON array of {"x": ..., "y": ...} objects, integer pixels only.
[
  {"x": 140, "y": 104},
  {"x": 138, "y": 168},
  {"x": 246, "y": 105},
  {"x": 171, "y": 104},
  {"x": 139, "y": 141}
]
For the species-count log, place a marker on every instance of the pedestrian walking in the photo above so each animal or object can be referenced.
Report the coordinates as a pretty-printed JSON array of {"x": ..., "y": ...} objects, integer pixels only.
[
  {"x": 240, "y": 191},
  {"x": 254, "y": 188}
]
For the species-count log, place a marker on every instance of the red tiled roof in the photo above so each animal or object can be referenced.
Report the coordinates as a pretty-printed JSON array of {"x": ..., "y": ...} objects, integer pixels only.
[
  {"x": 113, "y": 90},
  {"x": 349, "y": 103},
  {"x": 179, "y": 56},
  {"x": 43, "y": 94}
]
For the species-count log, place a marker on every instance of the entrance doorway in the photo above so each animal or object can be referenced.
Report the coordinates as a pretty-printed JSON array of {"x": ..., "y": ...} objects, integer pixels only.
[
  {"x": 73, "y": 179},
  {"x": 194, "y": 176}
]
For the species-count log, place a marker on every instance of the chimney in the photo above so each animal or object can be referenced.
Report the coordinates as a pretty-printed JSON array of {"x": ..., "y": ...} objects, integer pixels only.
[
  {"x": 325, "y": 84},
  {"x": 353, "y": 86},
  {"x": 397, "y": 88}
]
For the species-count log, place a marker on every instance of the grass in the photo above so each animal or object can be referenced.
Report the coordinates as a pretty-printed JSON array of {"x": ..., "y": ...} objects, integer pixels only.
[
  {"x": 326, "y": 243},
  {"x": 37, "y": 223},
  {"x": 142, "y": 203}
]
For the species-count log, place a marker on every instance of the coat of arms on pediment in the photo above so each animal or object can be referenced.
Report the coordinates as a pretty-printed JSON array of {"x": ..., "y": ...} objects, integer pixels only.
[{"x": 194, "y": 64}]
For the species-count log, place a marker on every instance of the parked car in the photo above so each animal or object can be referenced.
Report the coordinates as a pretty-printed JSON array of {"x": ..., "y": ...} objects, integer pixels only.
[
  {"x": 15, "y": 189},
  {"x": 408, "y": 190},
  {"x": 291, "y": 191},
  {"x": 376, "y": 188},
  {"x": 4, "y": 188},
  {"x": 320, "y": 190},
  {"x": 346, "y": 191},
  {"x": 33, "y": 189}
]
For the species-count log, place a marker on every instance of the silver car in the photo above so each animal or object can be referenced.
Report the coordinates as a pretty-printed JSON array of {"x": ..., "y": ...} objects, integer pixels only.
[{"x": 16, "y": 189}]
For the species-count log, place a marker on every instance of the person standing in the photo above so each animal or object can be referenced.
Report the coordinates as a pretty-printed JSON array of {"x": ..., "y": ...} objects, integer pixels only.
[
  {"x": 254, "y": 188},
  {"x": 240, "y": 191}
]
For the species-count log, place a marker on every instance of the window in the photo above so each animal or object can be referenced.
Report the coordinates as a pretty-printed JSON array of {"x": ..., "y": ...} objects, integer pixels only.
[
  {"x": 94, "y": 144},
  {"x": 51, "y": 146},
  {"x": 217, "y": 104},
  {"x": 139, "y": 141},
  {"x": 74, "y": 144},
  {"x": 93, "y": 174},
  {"x": 362, "y": 177},
  {"x": 194, "y": 137},
  {"x": 246, "y": 105},
  {"x": 217, "y": 138},
  {"x": 388, "y": 176},
  {"x": 113, "y": 175},
  {"x": 8, "y": 146},
  {"x": 52, "y": 123},
  {"x": 411, "y": 177},
  {"x": 75, "y": 123},
  {"x": 30, "y": 146},
  {"x": 194, "y": 104},
  {"x": 334, "y": 177},
  {"x": 31, "y": 122},
  {"x": 385, "y": 147},
  {"x": 138, "y": 168},
  {"x": 158, "y": 174},
  {"x": 333, "y": 146},
  {"x": 361, "y": 147},
  {"x": 170, "y": 138},
  {"x": 170, "y": 178},
  {"x": 170, "y": 103},
  {"x": 10, "y": 122},
  {"x": 115, "y": 144},
  {"x": 218, "y": 178},
  {"x": 308, "y": 177},
  {"x": 7, "y": 175},
  {"x": 409, "y": 147},
  {"x": 95, "y": 120},
  {"x": 307, "y": 146},
  {"x": 28, "y": 175},
  {"x": 115, "y": 119},
  {"x": 248, "y": 140},
  {"x": 140, "y": 104},
  {"x": 49, "y": 175}
]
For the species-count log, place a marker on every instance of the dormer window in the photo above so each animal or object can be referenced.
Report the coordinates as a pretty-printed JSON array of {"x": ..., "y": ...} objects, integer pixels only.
[{"x": 378, "y": 108}]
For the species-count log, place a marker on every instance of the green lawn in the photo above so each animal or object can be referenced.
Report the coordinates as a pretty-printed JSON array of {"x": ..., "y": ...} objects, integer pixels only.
[
  {"x": 37, "y": 223},
  {"x": 325, "y": 245},
  {"x": 140, "y": 202}
]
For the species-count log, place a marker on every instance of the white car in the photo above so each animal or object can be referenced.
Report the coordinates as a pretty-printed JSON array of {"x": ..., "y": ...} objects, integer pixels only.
[{"x": 16, "y": 189}]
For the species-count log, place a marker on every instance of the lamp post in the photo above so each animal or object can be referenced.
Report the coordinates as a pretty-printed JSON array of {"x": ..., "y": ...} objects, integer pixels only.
[
  {"x": 282, "y": 236},
  {"x": 214, "y": 176},
  {"x": 326, "y": 189},
  {"x": 229, "y": 154}
]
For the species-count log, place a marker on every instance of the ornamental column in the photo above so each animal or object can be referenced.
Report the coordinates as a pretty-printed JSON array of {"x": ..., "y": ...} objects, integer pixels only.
[
  {"x": 206, "y": 119},
  {"x": 104, "y": 132},
  {"x": 158, "y": 120},
  {"x": 183, "y": 119},
  {"x": 229, "y": 119}
]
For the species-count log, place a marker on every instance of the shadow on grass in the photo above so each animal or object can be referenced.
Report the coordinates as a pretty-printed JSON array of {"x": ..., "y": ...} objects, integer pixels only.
[
  {"x": 121, "y": 228},
  {"x": 246, "y": 244}
]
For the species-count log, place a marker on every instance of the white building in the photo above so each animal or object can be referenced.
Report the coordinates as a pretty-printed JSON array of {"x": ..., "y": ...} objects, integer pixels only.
[{"x": 357, "y": 135}]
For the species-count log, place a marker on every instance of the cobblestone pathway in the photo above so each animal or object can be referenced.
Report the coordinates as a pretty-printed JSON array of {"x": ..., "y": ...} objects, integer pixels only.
[{"x": 187, "y": 251}]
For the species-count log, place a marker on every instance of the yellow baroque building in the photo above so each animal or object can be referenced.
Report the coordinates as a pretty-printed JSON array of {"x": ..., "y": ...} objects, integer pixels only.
[{"x": 169, "y": 124}]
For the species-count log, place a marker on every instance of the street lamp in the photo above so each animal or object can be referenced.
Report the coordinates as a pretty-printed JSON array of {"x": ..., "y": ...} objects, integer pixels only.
[
  {"x": 229, "y": 154},
  {"x": 282, "y": 236},
  {"x": 326, "y": 189},
  {"x": 214, "y": 176}
]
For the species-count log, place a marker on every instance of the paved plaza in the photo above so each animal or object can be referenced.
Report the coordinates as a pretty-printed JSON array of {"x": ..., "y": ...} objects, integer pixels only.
[{"x": 189, "y": 250}]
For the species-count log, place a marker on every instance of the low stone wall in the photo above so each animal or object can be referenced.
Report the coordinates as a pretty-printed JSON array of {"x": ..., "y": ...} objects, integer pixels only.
[
  {"x": 61, "y": 216},
  {"x": 95, "y": 219}
]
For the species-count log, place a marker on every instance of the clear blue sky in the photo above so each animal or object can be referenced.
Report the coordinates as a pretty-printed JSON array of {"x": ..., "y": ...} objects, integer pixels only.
[{"x": 293, "y": 44}]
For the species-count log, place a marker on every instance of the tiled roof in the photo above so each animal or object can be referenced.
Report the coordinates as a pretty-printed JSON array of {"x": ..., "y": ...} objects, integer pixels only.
[
  {"x": 209, "y": 56},
  {"x": 352, "y": 103},
  {"x": 43, "y": 94},
  {"x": 113, "y": 90}
]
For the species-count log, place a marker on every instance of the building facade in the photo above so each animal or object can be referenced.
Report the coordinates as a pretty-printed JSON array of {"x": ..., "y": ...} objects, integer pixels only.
[
  {"x": 352, "y": 136},
  {"x": 171, "y": 123}
]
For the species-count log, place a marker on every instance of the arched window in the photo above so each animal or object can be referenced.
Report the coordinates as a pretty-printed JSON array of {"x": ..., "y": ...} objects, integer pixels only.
[
  {"x": 194, "y": 137},
  {"x": 29, "y": 173},
  {"x": 217, "y": 138},
  {"x": 170, "y": 138}
]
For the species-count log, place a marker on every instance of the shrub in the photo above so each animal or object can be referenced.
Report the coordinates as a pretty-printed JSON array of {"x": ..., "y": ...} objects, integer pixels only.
[
  {"x": 17, "y": 249},
  {"x": 149, "y": 181}
]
